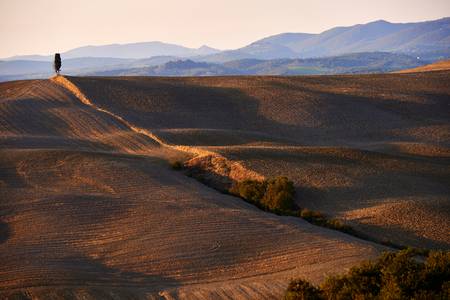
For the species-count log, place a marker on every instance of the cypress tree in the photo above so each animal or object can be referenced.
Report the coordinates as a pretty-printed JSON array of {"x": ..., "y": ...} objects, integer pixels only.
[{"x": 57, "y": 63}]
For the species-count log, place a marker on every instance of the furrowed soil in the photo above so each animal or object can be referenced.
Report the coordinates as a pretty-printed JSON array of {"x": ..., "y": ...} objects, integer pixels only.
[{"x": 90, "y": 207}]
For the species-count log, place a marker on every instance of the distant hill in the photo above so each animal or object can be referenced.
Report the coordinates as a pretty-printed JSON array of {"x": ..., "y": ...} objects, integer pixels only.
[
  {"x": 173, "y": 68},
  {"x": 437, "y": 66},
  {"x": 138, "y": 50},
  {"x": 128, "y": 51},
  {"x": 356, "y": 63},
  {"x": 430, "y": 39},
  {"x": 394, "y": 46},
  {"x": 378, "y": 62},
  {"x": 24, "y": 69}
]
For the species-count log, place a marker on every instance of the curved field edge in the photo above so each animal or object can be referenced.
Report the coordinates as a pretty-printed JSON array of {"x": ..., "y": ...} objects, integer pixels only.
[
  {"x": 186, "y": 288},
  {"x": 387, "y": 161}
]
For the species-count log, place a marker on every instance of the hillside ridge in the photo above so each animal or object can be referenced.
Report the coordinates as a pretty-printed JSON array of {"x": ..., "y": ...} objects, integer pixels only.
[{"x": 214, "y": 163}]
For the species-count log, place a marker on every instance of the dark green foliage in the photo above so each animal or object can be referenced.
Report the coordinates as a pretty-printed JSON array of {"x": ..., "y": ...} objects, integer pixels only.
[
  {"x": 362, "y": 282},
  {"x": 57, "y": 63},
  {"x": 437, "y": 266},
  {"x": 276, "y": 195},
  {"x": 302, "y": 290},
  {"x": 398, "y": 275},
  {"x": 312, "y": 216},
  {"x": 279, "y": 194},
  {"x": 177, "y": 165},
  {"x": 319, "y": 219},
  {"x": 251, "y": 190},
  {"x": 401, "y": 274}
]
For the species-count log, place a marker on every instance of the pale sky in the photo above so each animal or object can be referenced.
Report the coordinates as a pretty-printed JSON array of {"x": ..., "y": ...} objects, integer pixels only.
[{"x": 49, "y": 26}]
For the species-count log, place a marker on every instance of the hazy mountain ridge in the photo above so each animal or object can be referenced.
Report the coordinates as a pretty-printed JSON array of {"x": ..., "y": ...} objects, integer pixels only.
[
  {"x": 413, "y": 38},
  {"x": 428, "y": 40},
  {"x": 378, "y": 62},
  {"x": 367, "y": 62},
  {"x": 126, "y": 51}
]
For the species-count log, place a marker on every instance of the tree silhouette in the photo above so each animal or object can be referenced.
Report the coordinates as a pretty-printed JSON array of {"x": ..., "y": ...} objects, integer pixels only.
[{"x": 57, "y": 63}]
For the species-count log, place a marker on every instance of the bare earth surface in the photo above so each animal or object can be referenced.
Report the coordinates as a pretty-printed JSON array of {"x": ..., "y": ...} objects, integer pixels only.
[
  {"x": 91, "y": 209},
  {"x": 370, "y": 149},
  {"x": 437, "y": 66}
]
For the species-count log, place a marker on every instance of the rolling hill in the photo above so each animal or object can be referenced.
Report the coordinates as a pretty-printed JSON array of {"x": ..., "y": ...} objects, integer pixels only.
[
  {"x": 91, "y": 208},
  {"x": 437, "y": 66},
  {"x": 390, "y": 132}
]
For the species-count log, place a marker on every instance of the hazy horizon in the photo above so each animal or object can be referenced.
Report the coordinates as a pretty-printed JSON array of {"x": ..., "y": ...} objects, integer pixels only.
[{"x": 48, "y": 26}]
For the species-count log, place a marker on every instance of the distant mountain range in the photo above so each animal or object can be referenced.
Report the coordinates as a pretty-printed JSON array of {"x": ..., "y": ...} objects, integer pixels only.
[
  {"x": 424, "y": 38},
  {"x": 130, "y": 51},
  {"x": 368, "y": 62},
  {"x": 374, "y": 47}
]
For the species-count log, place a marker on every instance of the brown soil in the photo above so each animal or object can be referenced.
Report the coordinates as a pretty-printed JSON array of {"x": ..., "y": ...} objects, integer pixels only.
[
  {"x": 443, "y": 65},
  {"x": 91, "y": 209}
]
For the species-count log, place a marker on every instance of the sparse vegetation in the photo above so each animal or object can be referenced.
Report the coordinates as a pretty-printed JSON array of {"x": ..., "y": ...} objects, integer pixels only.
[
  {"x": 318, "y": 218},
  {"x": 392, "y": 276},
  {"x": 300, "y": 289},
  {"x": 276, "y": 195},
  {"x": 177, "y": 165},
  {"x": 279, "y": 194},
  {"x": 251, "y": 190}
]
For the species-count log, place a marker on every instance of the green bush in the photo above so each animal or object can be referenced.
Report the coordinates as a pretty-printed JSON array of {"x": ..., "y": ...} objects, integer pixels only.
[
  {"x": 436, "y": 266},
  {"x": 275, "y": 194},
  {"x": 362, "y": 282},
  {"x": 177, "y": 165},
  {"x": 279, "y": 194},
  {"x": 251, "y": 190},
  {"x": 318, "y": 218},
  {"x": 338, "y": 225},
  {"x": 392, "y": 276},
  {"x": 302, "y": 290},
  {"x": 312, "y": 216}
]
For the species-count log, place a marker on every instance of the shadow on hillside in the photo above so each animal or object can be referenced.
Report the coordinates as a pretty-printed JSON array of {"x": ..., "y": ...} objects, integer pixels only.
[
  {"x": 342, "y": 118},
  {"x": 398, "y": 235},
  {"x": 373, "y": 179},
  {"x": 75, "y": 275},
  {"x": 158, "y": 103},
  {"x": 352, "y": 117},
  {"x": 33, "y": 117},
  {"x": 9, "y": 176},
  {"x": 5, "y": 232},
  {"x": 94, "y": 272}
]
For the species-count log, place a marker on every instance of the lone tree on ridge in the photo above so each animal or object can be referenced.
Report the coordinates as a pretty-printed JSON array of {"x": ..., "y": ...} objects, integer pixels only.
[{"x": 57, "y": 63}]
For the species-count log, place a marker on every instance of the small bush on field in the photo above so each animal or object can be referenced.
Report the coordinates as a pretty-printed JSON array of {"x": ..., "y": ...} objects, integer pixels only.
[
  {"x": 312, "y": 216},
  {"x": 302, "y": 290},
  {"x": 251, "y": 190},
  {"x": 279, "y": 194},
  {"x": 177, "y": 165},
  {"x": 318, "y": 218},
  {"x": 392, "y": 276},
  {"x": 275, "y": 194}
]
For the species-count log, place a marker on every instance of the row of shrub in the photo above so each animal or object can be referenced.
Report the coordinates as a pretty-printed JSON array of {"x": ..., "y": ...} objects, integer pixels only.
[
  {"x": 319, "y": 219},
  {"x": 275, "y": 194},
  {"x": 398, "y": 275}
]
